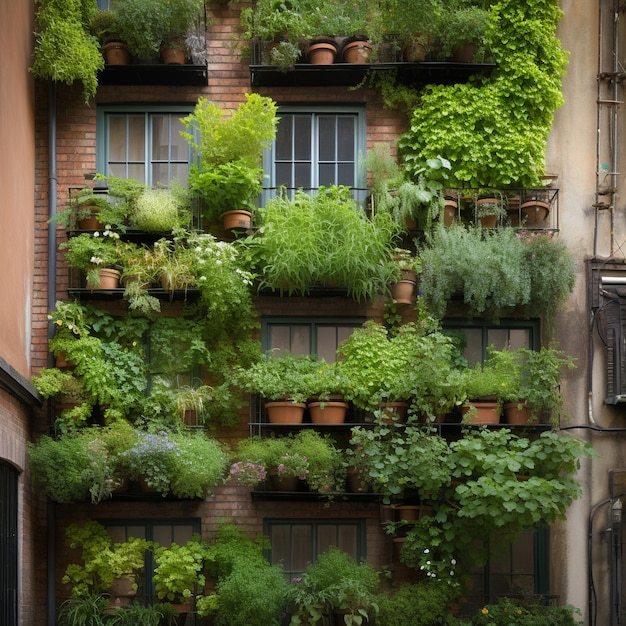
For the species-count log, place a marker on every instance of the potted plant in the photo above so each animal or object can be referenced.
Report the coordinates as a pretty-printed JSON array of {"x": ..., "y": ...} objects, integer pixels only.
[
  {"x": 326, "y": 471},
  {"x": 324, "y": 240},
  {"x": 230, "y": 148},
  {"x": 193, "y": 403},
  {"x": 528, "y": 613},
  {"x": 74, "y": 467},
  {"x": 159, "y": 211},
  {"x": 98, "y": 255},
  {"x": 329, "y": 385},
  {"x": 65, "y": 51},
  {"x": 399, "y": 462},
  {"x": 284, "y": 381},
  {"x": 82, "y": 210},
  {"x": 345, "y": 587},
  {"x": 105, "y": 26},
  {"x": 162, "y": 21},
  {"x": 179, "y": 572},
  {"x": 462, "y": 33},
  {"x": 106, "y": 566},
  {"x": 280, "y": 27}
]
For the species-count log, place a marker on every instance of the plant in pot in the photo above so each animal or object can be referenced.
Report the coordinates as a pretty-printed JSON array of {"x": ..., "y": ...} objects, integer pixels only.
[
  {"x": 230, "y": 148},
  {"x": 284, "y": 380},
  {"x": 179, "y": 571},
  {"x": 104, "y": 563},
  {"x": 323, "y": 240},
  {"x": 284, "y": 465},
  {"x": 162, "y": 21},
  {"x": 281, "y": 27},
  {"x": 77, "y": 466},
  {"x": 159, "y": 211},
  {"x": 97, "y": 254},
  {"x": 193, "y": 403},
  {"x": 329, "y": 384},
  {"x": 65, "y": 51},
  {"x": 72, "y": 401},
  {"x": 105, "y": 26},
  {"x": 462, "y": 33},
  {"x": 401, "y": 462},
  {"x": 83, "y": 210},
  {"x": 326, "y": 470},
  {"x": 489, "y": 209},
  {"x": 345, "y": 587}
]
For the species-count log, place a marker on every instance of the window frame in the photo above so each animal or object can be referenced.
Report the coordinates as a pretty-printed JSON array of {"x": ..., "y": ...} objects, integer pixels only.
[
  {"x": 360, "y": 143},
  {"x": 360, "y": 539},
  {"x": 148, "y": 111},
  {"x": 314, "y": 322}
]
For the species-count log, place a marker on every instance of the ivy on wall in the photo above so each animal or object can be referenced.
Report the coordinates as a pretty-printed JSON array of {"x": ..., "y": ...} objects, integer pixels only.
[{"x": 494, "y": 129}]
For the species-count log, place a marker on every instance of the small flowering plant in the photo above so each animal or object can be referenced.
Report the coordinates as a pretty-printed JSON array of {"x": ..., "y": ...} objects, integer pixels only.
[
  {"x": 293, "y": 464},
  {"x": 151, "y": 458},
  {"x": 246, "y": 473}
]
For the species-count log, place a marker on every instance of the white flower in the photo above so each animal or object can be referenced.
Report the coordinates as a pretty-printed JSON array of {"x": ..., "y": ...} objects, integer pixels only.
[
  {"x": 96, "y": 234},
  {"x": 426, "y": 551},
  {"x": 202, "y": 278}
]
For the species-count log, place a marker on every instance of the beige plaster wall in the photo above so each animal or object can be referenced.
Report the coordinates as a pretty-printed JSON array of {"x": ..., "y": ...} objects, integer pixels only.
[{"x": 16, "y": 183}]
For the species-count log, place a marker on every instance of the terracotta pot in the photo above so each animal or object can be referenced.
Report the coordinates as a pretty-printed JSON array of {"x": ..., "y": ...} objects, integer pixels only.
[
  {"x": 394, "y": 412},
  {"x": 237, "y": 220},
  {"x": 485, "y": 413},
  {"x": 516, "y": 413},
  {"x": 284, "y": 483},
  {"x": 354, "y": 482},
  {"x": 488, "y": 221},
  {"x": 116, "y": 53},
  {"x": 450, "y": 209},
  {"x": 328, "y": 412},
  {"x": 90, "y": 223},
  {"x": 109, "y": 279},
  {"x": 403, "y": 292},
  {"x": 464, "y": 53},
  {"x": 322, "y": 52},
  {"x": 62, "y": 362},
  {"x": 174, "y": 55},
  {"x": 534, "y": 212},
  {"x": 413, "y": 51},
  {"x": 411, "y": 512},
  {"x": 359, "y": 51},
  {"x": 123, "y": 587},
  {"x": 285, "y": 412}
]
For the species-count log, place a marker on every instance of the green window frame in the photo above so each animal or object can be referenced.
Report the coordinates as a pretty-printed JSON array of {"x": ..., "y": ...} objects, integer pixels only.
[
  {"x": 317, "y": 336},
  {"x": 133, "y": 141},
  {"x": 477, "y": 335},
  {"x": 296, "y": 542},
  {"x": 317, "y": 146}
]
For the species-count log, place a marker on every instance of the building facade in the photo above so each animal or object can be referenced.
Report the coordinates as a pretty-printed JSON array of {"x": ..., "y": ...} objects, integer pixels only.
[{"x": 62, "y": 142}]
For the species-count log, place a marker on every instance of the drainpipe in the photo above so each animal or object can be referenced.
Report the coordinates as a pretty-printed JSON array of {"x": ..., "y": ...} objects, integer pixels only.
[
  {"x": 616, "y": 562},
  {"x": 52, "y": 263}
]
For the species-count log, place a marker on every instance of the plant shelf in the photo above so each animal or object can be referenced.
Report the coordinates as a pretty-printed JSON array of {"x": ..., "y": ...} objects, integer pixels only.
[
  {"x": 352, "y": 74},
  {"x": 154, "y": 74}
]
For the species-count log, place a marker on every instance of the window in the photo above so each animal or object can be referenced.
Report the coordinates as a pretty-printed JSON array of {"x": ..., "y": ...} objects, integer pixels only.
[
  {"x": 476, "y": 337},
  {"x": 144, "y": 145},
  {"x": 164, "y": 532},
  {"x": 8, "y": 544},
  {"x": 519, "y": 569},
  {"x": 295, "y": 543},
  {"x": 320, "y": 337},
  {"x": 315, "y": 148}
]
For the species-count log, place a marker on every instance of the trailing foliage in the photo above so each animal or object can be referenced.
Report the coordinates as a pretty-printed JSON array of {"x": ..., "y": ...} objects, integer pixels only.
[{"x": 494, "y": 129}]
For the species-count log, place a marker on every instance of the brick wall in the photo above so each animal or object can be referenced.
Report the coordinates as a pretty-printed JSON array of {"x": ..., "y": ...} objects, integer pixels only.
[{"x": 229, "y": 80}]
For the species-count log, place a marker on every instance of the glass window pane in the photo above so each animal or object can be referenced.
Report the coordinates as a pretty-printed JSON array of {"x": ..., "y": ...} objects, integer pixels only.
[
  {"x": 160, "y": 174},
  {"x": 179, "y": 150},
  {"x": 519, "y": 338},
  {"x": 345, "y": 174},
  {"x": 118, "y": 533},
  {"x": 283, "y": 175},
  {"x": 497, "y": 337},
  {"x": 343, "y": 332},
  {"x": 302, "y": 137},
  {"x": 162, "y": 534},
  {"x": 160, "y": 137},
  {"x": 284, "y": 134},
  {"x": 179, "y": 172},
  {"x": 327, "y": 343},
  {"x": 300, "y": 340},
  {"x": 280, "y": 337},
  {"x": 182, "y": 534},
  {"x": 300, "y": 547},
  {"x": 327, "y": 138},
  {"x": 117, "y": 138},
  {"x": 326, "y": 537},
  {"x": 347, "y": 539},
  {"x": 136, "y": 138},
  {"x": 117, "y": 170},
  {"x": 345, "y": 138},
  {"x": 136, "y": 171},
  {"x": 280, "y": 538},
  {"x": 473, "y": 344},
  {"x": 302, "y": 176},
  {"x": 327, "y": 175}
]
